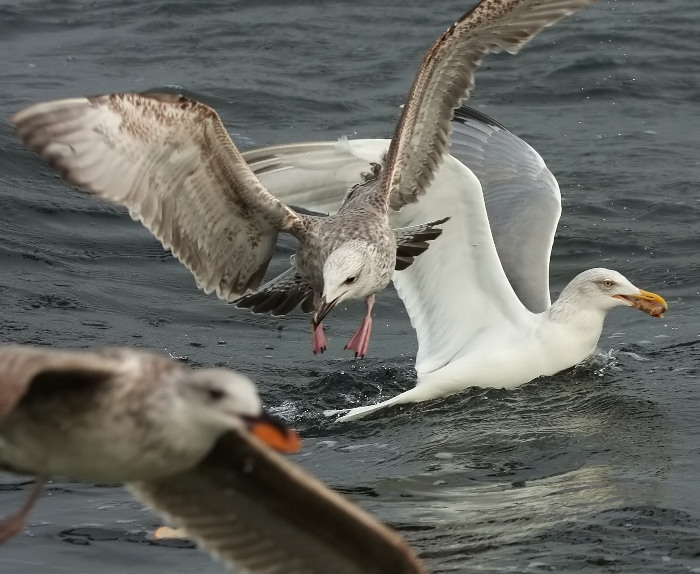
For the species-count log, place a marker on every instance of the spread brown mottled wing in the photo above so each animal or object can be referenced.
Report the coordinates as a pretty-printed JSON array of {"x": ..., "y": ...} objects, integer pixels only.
[
  {"x": 446, "y": 76},
  {"x": 258, "y": 513},
  {"x": 169, "y": 160},
  {"x": 20, "y": 366}
]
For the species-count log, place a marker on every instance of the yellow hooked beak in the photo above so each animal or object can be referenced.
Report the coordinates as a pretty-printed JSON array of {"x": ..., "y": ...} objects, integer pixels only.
[{"x": 646, "y": 301}]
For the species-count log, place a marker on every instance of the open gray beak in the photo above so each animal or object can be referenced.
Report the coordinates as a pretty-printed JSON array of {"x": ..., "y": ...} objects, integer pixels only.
[{"x": 322, "y": 311}]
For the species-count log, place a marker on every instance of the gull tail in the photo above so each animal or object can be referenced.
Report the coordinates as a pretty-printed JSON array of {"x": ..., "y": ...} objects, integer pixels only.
[{"x": 359, "y": 412}]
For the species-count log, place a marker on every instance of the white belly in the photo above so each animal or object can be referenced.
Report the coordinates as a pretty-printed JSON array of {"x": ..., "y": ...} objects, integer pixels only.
[{"x": 100, "y": 454}]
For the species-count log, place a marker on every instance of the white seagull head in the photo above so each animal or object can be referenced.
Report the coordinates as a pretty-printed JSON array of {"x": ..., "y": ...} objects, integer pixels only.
[
  {"x": 219, "y": 399},
  {"x": 606, "y": 289}
]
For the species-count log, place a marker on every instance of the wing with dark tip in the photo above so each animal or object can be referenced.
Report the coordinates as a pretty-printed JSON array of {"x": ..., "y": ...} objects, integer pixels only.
[
  {"x": 258, "y": 513},
  {"x": 446, "y": 76},
  {"x": 412, "y": 241},
  {"x": 522, "y": 200},
  {"x": 169, "y": 160},
  {"x": 279, "y": 296}
]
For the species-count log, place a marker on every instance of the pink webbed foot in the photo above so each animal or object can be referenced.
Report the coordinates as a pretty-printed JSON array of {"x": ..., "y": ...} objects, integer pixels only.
[
  {"x": 359, "y": 342},
  {"x": 318, "y": 340},
  {"x": 12, "y": 525}
]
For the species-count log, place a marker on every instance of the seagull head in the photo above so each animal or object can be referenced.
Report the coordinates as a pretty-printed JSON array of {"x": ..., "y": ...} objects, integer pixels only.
[
  {"x": 220, "y": 400},
  {"x": 608, "y": 289},
  {"x": 351, "y": 271}
]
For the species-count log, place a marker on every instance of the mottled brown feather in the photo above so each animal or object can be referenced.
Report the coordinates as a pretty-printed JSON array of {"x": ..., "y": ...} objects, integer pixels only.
[
  {"x": 279, "y": 296},
  {"x": 257, "y": 512},
  {"x": 170, "y": 161},
  {"x": 446, "y": 76}
]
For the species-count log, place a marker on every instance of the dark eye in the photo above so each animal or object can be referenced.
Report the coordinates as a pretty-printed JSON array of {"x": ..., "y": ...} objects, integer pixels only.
[
  {"x": 350, "y": 280},
  {"x": 215, "y": 394}
]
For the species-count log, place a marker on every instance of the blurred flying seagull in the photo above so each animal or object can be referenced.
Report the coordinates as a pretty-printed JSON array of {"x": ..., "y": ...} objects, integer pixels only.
[{"x": 192, "y": 445}]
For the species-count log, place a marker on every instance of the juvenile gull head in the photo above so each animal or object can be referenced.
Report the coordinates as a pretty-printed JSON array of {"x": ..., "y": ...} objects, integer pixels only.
[
  {"x": 354, "y": 270},
  {"x": 117, "y": 414}
]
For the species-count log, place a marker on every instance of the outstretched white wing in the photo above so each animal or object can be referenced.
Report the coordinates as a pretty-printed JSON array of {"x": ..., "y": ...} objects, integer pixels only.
[
  {"x": 457, "y": 289},
  {"x": 522, "y": 200},
  {"x": 315, "y": 175}
]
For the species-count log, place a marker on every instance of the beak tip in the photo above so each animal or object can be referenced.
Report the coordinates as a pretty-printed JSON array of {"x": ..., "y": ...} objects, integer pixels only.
[
  {"x": 274, "y": 433},
  {"x": 322, "y": 310},
  {"x": 286, "y": 441}
]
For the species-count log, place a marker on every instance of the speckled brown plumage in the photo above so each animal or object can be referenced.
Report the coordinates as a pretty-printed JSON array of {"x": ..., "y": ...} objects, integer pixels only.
[{"x": 446, "y": 77}]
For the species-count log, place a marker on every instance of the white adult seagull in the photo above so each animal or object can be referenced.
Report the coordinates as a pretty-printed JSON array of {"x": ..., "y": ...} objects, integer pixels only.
[
  {"x": 170, "y": 161},
  {"x": 478, "y": 298}
]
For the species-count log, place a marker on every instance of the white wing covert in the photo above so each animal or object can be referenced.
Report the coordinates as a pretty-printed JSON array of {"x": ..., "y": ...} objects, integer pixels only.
[
  {"x": 315, "y": 175},
  {"x": 522, "y": 199}
]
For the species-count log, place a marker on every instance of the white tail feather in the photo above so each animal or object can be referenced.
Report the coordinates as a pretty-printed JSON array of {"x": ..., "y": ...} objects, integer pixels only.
[{"x": 359, "y": 412}]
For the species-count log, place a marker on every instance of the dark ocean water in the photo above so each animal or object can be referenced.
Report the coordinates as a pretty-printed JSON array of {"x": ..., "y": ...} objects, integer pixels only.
[{"x": 594, "y": 470}]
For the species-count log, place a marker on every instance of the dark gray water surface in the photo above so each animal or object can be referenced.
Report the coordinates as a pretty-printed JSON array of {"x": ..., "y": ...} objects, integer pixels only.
[{"x": 593, "y": 470}]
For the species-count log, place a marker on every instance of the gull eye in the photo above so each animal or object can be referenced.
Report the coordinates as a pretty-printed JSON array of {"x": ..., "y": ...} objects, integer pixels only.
[
  {"x": 350, "y": 280},
  {"x": 608, "y": 283},
  {"x": 215, "y": 394}
]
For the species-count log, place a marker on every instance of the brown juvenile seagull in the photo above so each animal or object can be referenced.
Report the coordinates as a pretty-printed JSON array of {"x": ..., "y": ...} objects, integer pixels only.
[
  {"x": 170, "y": 161},
  {"x": 185, "y": 443}
]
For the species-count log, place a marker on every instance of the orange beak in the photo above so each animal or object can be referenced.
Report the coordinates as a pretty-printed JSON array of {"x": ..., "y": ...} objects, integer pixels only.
[{"x": 273, "y": 433}]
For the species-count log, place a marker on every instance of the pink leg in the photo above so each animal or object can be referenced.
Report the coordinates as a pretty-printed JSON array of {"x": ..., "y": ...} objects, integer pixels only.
[
  {"x": 318, "y": 340},
  {"x": 13, "y": 524},
  {"x": 359, "y": 342}
]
